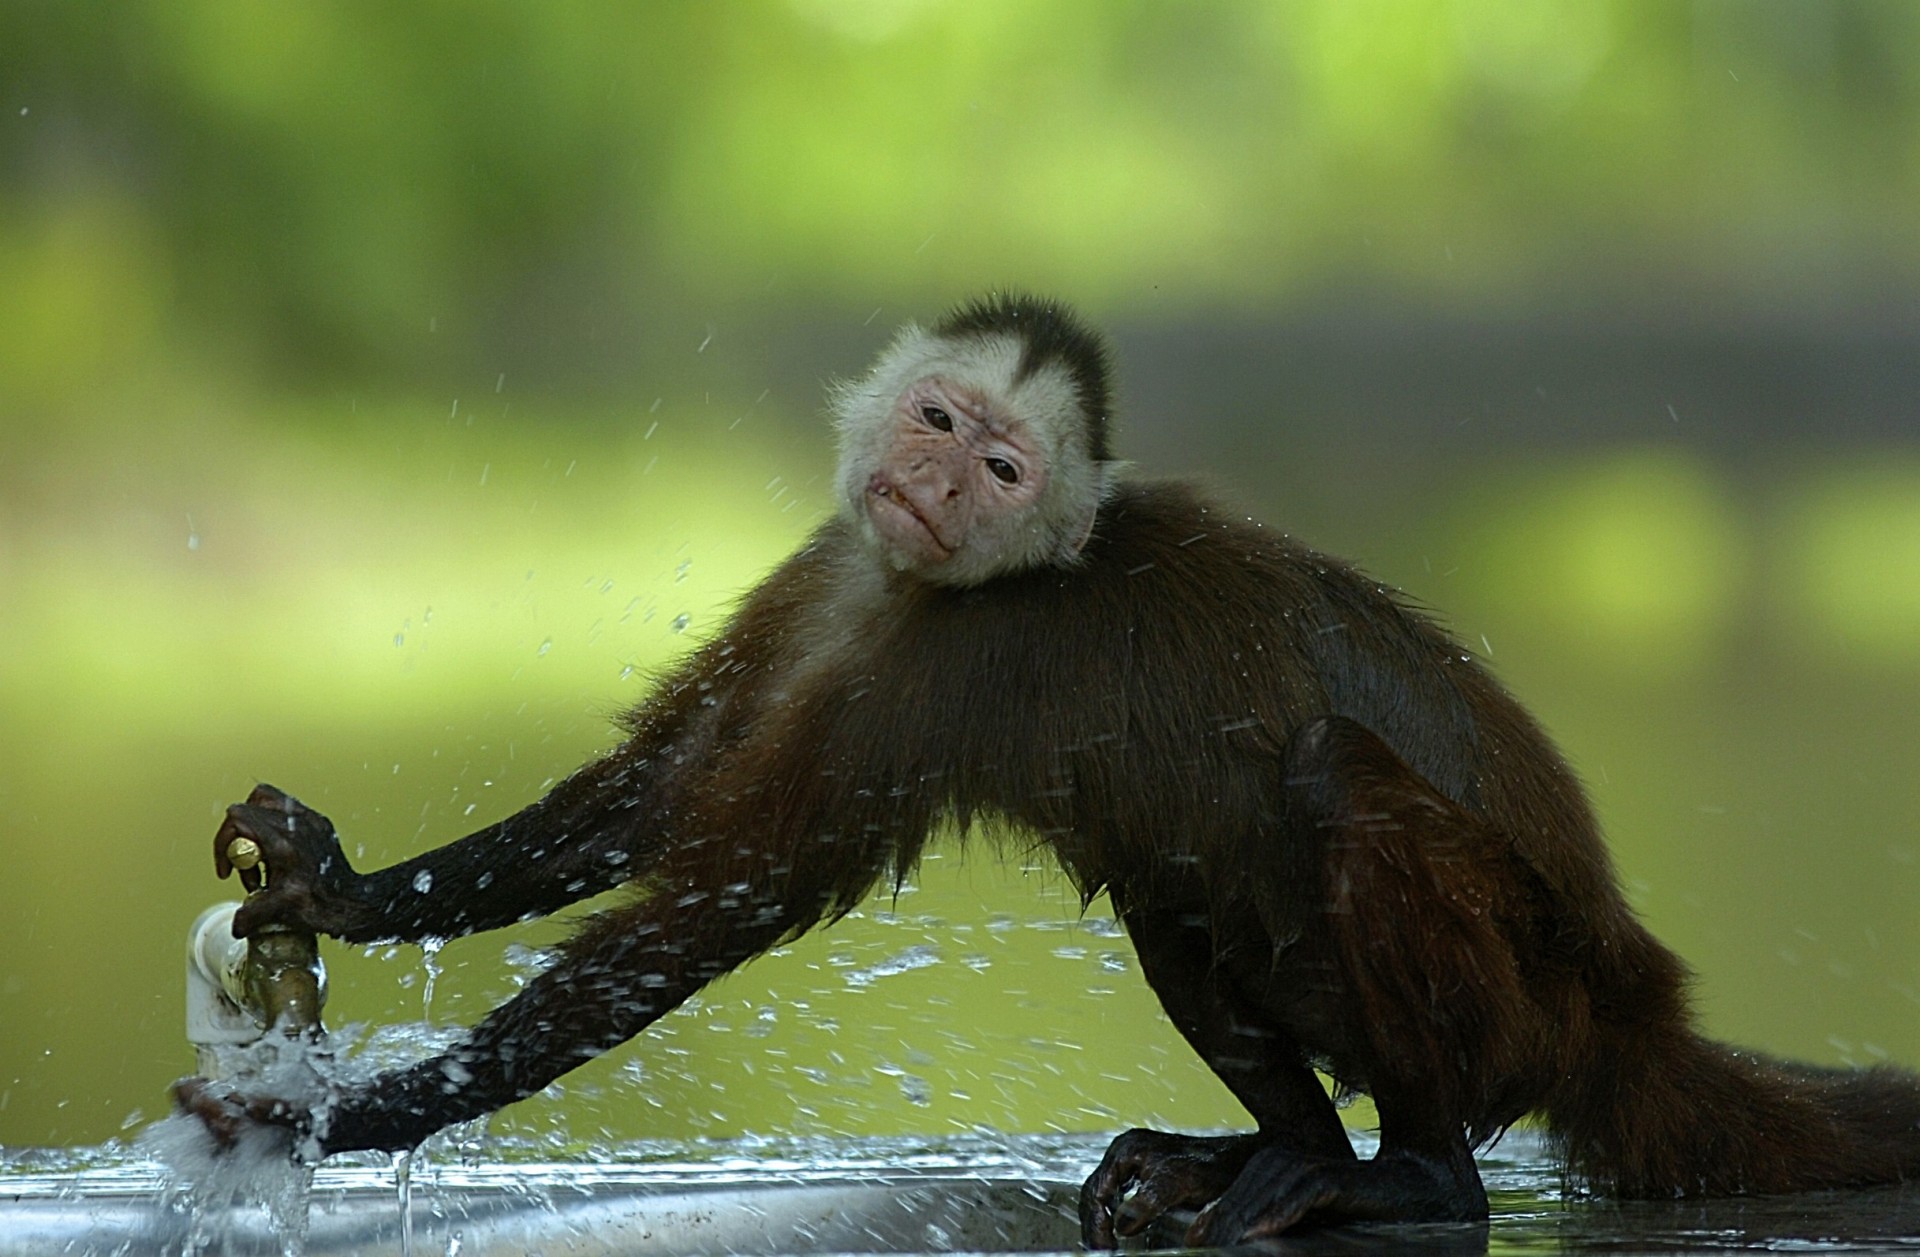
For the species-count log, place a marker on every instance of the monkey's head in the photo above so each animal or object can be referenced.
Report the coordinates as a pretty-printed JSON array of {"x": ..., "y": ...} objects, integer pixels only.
[{"x": 978, "y": 448}]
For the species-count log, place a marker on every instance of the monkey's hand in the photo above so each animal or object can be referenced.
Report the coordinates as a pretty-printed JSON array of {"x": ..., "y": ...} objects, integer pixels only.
[
  {"x": 1147, "y": 1173},
  {"x": 227, "y": 1114},
  {"x": 307, "y": 882},
  {"x": 1280, "y": 1188}
]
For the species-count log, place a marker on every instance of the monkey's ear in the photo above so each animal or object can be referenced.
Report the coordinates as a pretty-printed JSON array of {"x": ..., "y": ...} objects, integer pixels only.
[
  {"x": 1086, "y": 529},
  {"x": 1109, "y": 480}
]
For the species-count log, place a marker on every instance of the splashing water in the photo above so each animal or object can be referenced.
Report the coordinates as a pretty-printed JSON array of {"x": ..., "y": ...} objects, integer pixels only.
[
  {"x": 403, "y": 1196},
  {"x": 919, "y": 957},
  {"x": 268, "y": 1166},
  {"x": 430, "y": 964}
]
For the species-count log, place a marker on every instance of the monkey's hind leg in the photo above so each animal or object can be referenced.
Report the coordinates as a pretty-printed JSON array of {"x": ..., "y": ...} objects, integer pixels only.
[
  {"x": 1148, "y": 1173},
  {"x": 1406, "y": 899}
]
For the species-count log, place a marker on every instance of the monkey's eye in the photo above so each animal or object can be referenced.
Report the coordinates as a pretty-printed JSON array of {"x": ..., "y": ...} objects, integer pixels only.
[
  {"x": 937, "y": 417},
  {"x": 1004, "y": 470}
]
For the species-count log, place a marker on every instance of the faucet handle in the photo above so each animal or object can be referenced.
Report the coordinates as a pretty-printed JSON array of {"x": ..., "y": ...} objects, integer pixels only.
[{"x": 243, "y": 853}]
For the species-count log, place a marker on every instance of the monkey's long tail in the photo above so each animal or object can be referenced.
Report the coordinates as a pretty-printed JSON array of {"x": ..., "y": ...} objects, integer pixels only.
[{"x": 1673, "y": 1114}]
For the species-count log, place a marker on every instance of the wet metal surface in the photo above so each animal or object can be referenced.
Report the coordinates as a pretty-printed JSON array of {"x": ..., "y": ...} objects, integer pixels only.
[
  {"x": 521, "y": 1209},
  {"x": 979, "y": 1196}
]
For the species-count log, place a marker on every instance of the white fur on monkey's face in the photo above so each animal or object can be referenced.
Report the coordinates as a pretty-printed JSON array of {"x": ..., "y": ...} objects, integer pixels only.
[{"x": 951, "y": 470}]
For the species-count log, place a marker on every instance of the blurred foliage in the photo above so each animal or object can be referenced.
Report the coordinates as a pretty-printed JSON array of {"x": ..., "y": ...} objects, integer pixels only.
[
  {"x": 355, "y": 188},
  {"x": 1631, "y": 560},
  {"x": 387, "y": 391}
]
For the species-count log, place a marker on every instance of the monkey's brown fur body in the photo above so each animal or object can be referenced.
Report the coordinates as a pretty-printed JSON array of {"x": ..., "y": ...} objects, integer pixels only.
[{"x": 1333, "y": 838}]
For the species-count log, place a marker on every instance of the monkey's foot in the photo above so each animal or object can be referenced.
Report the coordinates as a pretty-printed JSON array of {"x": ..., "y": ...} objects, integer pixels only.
[
  {"x": 1278, "y": 1190},
  {"x": 1146, "y": 1173}
]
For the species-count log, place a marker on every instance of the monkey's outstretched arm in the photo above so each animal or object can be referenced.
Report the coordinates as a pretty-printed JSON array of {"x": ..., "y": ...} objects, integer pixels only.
[
  {"x": 600, "y": 827},
  {"x": 615, "y": 979},
  {"x": 717, "y": 899},
  {"x": 577, "y": 841}
]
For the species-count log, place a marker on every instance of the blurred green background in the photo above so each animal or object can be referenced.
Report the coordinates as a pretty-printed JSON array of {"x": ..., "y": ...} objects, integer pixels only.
[{"x": 386, "y": 391}]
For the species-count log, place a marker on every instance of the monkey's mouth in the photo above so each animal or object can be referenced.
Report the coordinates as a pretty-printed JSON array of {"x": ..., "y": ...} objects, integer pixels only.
[{"x": 902, "y": 525}]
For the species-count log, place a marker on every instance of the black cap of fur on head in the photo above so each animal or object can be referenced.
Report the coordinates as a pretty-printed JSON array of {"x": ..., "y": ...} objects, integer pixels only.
[{"x": 1049, "y": 333}]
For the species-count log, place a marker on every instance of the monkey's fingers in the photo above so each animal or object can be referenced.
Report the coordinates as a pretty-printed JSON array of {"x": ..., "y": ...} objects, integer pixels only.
[
  {"x": 217, "y": 1111},
  {"x": 236, "y": 845},
  {"x": 273, "y": 836},
  {"x": 1100, "y": 1197},
  {"x": 227, "y": 1113},
  {"x": 1096, "y": 1217},
  {"x": 1152, "y": 1197},
  {"x": 237, "y": 848},
  {"x": 274, "y": 799}
]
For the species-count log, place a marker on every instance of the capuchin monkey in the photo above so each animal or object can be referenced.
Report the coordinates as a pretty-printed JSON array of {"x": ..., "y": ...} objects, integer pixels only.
[{"x": 1335, "y": 841}]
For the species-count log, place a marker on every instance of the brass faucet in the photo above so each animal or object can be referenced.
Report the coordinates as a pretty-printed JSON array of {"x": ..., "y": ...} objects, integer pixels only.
[
  {"x": 240, "y": 992},
  {"x": 282, "y": 982}
]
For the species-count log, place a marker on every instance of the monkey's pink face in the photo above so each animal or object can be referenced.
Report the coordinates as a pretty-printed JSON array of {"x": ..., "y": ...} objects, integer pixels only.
[{"x": 953, "y": 469}]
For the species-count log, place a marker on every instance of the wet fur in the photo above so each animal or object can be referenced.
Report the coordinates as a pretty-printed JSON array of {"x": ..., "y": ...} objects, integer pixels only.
[{"x": 1334, "y": 837}]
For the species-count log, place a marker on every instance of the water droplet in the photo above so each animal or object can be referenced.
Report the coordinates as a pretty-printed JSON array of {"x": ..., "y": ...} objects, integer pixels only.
[
  {"x": 680, "y": 622},
  {"x": 545, "y": 647},
  {"x": 423, "y": 881},
  {"x": 430, "y": 964},
  {"x": 919, "y": 957},
  {"x": 680, "y": 573}
]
